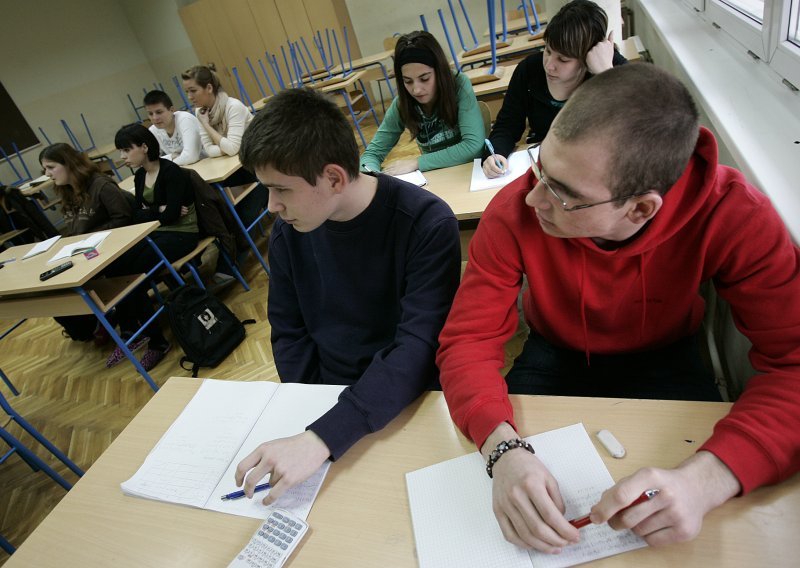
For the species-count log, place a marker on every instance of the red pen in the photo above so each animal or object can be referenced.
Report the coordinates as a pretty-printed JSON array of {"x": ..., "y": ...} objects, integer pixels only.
[{"x": 646, "y": 496}]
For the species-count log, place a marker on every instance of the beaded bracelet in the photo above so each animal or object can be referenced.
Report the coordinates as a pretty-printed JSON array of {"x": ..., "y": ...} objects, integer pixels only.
[{"x": 502, "y": 448}]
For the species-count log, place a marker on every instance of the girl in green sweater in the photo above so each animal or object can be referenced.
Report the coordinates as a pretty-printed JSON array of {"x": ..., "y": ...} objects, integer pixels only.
[{"x": 438, "y": 108}]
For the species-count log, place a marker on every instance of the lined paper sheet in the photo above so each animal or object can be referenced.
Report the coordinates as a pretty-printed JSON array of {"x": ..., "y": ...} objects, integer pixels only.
[
  {"x": 454, "y": 526},
  {"x": 518, "y": 163},
  {"x": 194, "y": 462}
]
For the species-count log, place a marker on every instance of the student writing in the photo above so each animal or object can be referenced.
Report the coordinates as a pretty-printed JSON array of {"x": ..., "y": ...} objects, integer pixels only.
[
  {"x": 576, "y": 48},
  {"x": 363, "y": 273},
  {"x": 438, "y": 108},
  {"x": 627, "y": 213}
]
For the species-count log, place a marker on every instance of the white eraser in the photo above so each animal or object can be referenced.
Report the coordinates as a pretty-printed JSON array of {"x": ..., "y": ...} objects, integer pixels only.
[{"x": 611, "y": 444}]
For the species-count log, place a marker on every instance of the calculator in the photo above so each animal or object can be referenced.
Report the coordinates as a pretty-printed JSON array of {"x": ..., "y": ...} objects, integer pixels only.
[{"x": 273, "y": 541}]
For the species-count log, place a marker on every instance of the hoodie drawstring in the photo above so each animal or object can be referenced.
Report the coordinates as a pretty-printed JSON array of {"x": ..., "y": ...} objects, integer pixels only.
[
  {"x": 583, "y": 308},
  {"x": 644, "y": 293}
]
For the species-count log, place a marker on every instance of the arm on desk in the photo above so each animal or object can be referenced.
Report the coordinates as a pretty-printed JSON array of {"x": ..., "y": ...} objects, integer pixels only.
[
  {"x": 192, "y": 144},
  {"x": 384, "y": 140}
]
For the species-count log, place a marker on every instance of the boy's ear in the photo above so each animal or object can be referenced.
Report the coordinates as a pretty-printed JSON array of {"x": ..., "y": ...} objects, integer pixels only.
[
  {"x": 645, "y": 207},
  {"x": 336, "y": 176}
]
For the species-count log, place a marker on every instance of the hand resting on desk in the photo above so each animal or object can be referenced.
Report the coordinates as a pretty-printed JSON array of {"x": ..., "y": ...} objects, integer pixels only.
[
  {"x": 401, "y": 167},
  {"x": 526, "y": 499},
  {"x": 288, "y": 462}
]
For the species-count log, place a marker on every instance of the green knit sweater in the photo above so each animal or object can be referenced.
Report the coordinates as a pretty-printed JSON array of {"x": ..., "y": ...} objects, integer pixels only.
[{"x": 441, "y": 146}]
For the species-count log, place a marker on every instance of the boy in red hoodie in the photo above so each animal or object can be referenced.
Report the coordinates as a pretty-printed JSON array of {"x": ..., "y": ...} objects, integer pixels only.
[{"x": 623, "y": 218}]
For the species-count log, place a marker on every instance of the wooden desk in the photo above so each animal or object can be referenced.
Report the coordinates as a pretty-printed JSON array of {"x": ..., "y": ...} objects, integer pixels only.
[
  {"x": 452, "y": 185},
  {"x": 519, "y": 25},
  {"x": 96, "y": 523},
  {"x": 494, "y": 87},
  {"x": 101, "y": 151},
  {"x": 23, "y": 295},
  {"x": 520, "y": 45}
]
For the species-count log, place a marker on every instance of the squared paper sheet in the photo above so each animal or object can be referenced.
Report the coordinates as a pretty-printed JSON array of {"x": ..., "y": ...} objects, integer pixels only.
[
  {"x": 518, "y": 163},
  {"x": 194, "y": 461},
  {"x": 454, "y": 526}
]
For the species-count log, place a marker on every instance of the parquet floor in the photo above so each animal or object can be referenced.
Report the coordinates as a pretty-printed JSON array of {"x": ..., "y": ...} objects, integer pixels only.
[{"x": 68, "y": 394}]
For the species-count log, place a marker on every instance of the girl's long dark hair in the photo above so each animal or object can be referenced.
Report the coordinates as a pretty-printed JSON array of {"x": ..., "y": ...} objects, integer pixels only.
[
  {"x": 445, "y": 103},
  {"x": 81, "y": 170}
]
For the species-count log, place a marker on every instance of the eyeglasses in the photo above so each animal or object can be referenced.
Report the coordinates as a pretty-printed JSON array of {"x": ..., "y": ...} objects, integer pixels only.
[{"x": 540, "y": 176}]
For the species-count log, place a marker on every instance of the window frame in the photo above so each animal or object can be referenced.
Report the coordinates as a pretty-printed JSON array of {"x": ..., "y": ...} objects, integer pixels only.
[{"x": 769, "y": 41}]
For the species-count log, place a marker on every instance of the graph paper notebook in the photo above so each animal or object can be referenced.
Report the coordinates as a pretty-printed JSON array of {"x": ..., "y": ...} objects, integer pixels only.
[
  {"x": 454, "y": 526},
  {"x": 195, "y": 460}
]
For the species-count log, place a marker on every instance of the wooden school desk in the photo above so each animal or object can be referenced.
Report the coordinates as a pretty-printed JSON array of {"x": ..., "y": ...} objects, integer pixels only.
[
  {"x": 452, "y": 185},
  {"x": 361, "y": 516},
  {"x": 520, "y": 45},
  {"x": 215, "y": 171},
  {"x": 73, "y": 292}
]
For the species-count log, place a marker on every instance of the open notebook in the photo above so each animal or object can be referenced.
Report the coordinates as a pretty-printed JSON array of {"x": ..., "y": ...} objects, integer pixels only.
[
  {"x": 454, "y": 526},
  {"x": 195, "y": 460}
]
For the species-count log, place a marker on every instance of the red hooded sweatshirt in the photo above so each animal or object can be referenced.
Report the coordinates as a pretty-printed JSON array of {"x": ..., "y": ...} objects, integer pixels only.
[{"x": 642, "y": 296}]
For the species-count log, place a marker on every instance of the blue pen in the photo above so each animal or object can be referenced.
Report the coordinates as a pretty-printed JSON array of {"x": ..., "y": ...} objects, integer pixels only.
[
  {"x": 240, "y": 494},
  {"x": 491, "y": 151}
]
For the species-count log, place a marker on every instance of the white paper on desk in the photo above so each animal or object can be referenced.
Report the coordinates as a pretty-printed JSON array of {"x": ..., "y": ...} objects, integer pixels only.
[
  {"x": 91, "y": 242},
  {"x": 34, "y": 182},
  {"x": 518, "y": 164},
  {"x": 454, "y": 526},
  {"x": 194, "y": 462},
  {"x": 41, "y": 247},
  {"x": 414, "y": 177}
]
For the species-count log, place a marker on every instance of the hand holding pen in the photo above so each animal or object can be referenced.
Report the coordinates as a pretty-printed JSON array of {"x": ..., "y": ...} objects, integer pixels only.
[
  {"x": 495, "y": 165},
  {"x": 645, "y": 496}
]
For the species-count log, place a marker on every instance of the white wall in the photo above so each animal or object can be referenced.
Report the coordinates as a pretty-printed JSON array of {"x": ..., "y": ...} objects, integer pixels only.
[{"x": 85, "y": 56}]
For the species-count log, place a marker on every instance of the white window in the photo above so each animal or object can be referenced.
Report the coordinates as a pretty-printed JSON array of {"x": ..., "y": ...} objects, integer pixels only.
[{"x": 767, "y": 30}]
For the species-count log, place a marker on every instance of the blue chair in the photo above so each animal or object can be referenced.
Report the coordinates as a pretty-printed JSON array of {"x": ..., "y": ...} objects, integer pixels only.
[
  {"x": 20, "y": 178},
  {"x": 187, "y": 106},
  {"x": 242, "y": 91},
  {"x": 26, "y": 454},
  {"x": 7, "y": 546}
]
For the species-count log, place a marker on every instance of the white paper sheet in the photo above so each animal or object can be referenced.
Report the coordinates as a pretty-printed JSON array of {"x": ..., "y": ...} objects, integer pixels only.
[
  {"x": 414, "y": 177},
  {"x": 41, "y": 247},
  {"x": 518, "y": 163},
  {"x": 194, "y": 462},
  {"x": 454, "y": 526}
]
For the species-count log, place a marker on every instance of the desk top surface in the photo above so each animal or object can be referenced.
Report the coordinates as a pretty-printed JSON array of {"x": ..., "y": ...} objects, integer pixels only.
[
  {"x": 498, "y": 86},
  {"x": 520, "y": 45},
  {"x": 22, "y": 276},
  {"x": 96, "y": 521},
  {"x": 452, "y": 185},
  {"x": 210, "y": 169}
]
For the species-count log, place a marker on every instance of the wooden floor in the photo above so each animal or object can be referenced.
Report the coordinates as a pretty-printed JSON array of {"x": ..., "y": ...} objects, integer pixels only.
[{"x": 69, "y": 396}]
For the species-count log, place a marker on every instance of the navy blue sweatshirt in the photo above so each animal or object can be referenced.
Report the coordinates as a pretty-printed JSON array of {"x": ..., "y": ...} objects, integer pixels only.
[{"x": 361, "y": 303}]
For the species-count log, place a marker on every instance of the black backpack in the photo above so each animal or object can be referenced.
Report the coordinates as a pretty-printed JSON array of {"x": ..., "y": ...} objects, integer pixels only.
[{"x": 205, "y": 328}]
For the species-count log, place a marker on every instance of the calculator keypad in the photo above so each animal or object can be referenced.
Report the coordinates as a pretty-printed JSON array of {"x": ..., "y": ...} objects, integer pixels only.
[{"x": 272, "y": 543}]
